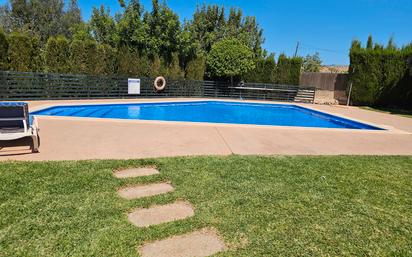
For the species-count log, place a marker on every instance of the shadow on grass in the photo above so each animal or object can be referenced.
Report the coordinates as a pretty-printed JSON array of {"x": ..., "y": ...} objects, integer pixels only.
[{"x": 404, "y": 113}]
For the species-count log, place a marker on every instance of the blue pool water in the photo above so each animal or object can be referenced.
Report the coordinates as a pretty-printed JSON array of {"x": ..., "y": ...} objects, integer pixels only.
[{"x": 212, "y": 112}]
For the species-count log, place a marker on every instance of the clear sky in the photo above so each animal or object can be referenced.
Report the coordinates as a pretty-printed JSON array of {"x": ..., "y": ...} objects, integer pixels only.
[{"x": 324, "y": 26}]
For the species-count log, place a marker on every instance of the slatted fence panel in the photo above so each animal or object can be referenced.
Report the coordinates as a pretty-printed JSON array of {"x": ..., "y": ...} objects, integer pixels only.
[{"x": 43, "y": 86}]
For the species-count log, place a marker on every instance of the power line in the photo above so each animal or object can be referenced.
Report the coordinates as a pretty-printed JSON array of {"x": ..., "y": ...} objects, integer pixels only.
[{"x": 310, "y": 47}]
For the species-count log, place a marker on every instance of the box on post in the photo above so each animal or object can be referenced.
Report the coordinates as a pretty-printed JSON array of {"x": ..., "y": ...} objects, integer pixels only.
[{"x": 134, "y": 86}]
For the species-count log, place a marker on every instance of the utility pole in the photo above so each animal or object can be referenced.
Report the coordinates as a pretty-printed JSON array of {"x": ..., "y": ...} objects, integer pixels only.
[{"x": 297, "y": 49}]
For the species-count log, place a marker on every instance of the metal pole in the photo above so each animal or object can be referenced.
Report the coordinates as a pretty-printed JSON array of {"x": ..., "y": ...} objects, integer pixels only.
[{"x": 350, "y": 90}]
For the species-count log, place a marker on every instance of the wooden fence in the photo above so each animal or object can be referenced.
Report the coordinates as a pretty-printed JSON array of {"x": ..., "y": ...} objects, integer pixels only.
[
  {"x": 331, "y": 87},
  {"x": 43, "y": 86},
  {"x": 325, "y": 81}
]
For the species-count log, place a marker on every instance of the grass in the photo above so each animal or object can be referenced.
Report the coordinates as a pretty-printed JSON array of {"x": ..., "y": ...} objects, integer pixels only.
[
  {"x": 404, "y": 113},
  {"x": 262, "y": 206}
]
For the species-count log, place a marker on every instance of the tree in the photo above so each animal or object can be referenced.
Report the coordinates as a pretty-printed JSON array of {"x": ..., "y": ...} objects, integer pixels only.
[
  {"x": 132, "y": 32},
  {"x": 71, "y": 18},
  {"x": 44, "y": 18},
  {"x": 4, "y": 47},
  {"x": 230, "y": 58},
  {"x": 164, "y": 31},
  {"x": 312, "y": 63},
  {"x": 57, "y": 56},
  {"x": 209, "y": 25},
  {"x": 103, "y": 27}
]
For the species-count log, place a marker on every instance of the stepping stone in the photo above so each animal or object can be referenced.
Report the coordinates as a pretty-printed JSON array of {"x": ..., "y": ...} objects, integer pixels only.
[
  {"x": 196, "y": 244},
  {"x": 141, "y": 191},
  {"x": 137, "y": 172},
  {"x": 161, "y": 214}
]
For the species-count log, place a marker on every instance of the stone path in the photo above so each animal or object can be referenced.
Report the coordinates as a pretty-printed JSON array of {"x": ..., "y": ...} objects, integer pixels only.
[
  {"x": 161, "y": 214},
  {"x": 196, "y": 244},
  {"x": 141, "y": 191},
  {"x": 134, "y": 173}
]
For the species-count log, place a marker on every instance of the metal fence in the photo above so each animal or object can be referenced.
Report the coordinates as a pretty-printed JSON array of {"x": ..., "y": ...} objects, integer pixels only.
[{"x": 43, "y": 86}]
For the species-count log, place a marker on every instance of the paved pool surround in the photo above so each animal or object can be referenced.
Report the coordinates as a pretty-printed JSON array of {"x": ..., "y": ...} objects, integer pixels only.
[{"x": 71, "y": 138}]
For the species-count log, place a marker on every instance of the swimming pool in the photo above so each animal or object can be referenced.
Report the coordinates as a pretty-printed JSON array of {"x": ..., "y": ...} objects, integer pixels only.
[{"x": 211, "y": 112}]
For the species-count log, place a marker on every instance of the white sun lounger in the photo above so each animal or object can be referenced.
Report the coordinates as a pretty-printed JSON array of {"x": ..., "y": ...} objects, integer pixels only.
[{"x": 16, "y": 128}]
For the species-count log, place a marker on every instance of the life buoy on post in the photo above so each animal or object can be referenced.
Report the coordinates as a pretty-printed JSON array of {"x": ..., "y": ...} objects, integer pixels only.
[{"x": 160, "y": 83}]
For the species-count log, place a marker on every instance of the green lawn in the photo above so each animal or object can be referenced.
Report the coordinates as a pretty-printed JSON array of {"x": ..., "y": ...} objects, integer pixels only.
[
  {"x": 404, "y": 113},
  {"x": 262, "y": 206}
]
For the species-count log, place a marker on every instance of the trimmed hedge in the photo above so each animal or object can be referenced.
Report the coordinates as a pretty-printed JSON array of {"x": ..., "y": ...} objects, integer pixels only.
[
  {"x": 22, "y": 52},
  {"x": 288, "y": 70},
  {"x": 381, "y": 77},
  {"x": 4, "y": 47}
]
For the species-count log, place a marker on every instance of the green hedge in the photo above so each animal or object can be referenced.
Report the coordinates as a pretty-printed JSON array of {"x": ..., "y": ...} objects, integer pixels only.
[
  {"x": 22, "y": 52},
  {"x": 4, "y": 48},
  {"x": 381, "y": 76},
  {"x": 288, "y": 70}
]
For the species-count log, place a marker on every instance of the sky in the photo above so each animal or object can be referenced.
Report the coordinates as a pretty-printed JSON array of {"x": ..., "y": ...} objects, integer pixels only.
[{"x": 324, "y": 26}]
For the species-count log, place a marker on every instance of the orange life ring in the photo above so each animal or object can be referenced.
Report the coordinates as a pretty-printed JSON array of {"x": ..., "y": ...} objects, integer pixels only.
[{"x": 160, "y": 83}]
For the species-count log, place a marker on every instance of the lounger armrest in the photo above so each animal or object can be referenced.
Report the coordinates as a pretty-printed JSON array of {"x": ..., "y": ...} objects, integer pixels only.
[{"x": 35, "y": 126}]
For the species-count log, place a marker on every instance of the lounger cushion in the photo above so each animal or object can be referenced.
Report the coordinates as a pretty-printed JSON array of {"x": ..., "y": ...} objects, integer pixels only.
[
  {"x": 10, "y": 111},
  {"x": 11, "y": 130}
]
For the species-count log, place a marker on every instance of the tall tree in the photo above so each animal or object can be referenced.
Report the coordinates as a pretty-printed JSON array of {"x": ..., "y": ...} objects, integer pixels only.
[
  {"x": 312, "y": 63},
  {"x": 44, "y": 18},
  {"x": 102, "y": 26},
  {"x": 71, "y": 18},
  {"x": 132, "y": 32},
  {"x": 210, "y": 25},
  {"x": 163, "y": 30}
]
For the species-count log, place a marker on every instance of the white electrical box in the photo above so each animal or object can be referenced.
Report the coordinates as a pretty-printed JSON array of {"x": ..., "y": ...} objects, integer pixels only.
[{"x": 134, "y": 86}]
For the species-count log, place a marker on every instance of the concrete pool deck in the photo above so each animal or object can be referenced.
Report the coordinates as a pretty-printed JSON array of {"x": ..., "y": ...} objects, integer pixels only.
[{"x": 71, "y": 138}]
